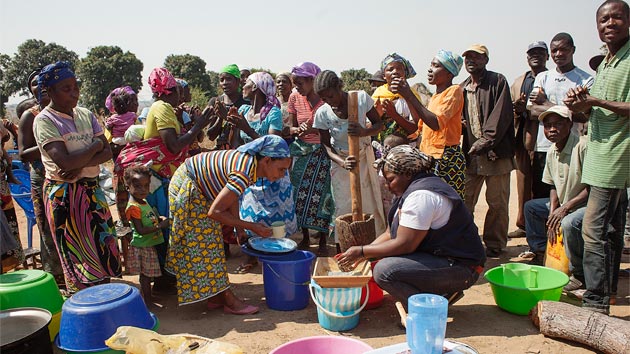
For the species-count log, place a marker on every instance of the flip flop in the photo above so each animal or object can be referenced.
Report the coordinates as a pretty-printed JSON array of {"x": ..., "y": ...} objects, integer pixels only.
[
  {"x": 213, "y": 306},
  {"x": 245, "y": 268},
  {"x": 247, "y": 310}
]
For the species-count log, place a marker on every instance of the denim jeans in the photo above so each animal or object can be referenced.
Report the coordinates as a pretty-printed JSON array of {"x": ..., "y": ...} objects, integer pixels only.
[
  {"x": 602, "y": 231},
  {"x": 419, "y": 272},
  {"x": 536, "y": 214}
]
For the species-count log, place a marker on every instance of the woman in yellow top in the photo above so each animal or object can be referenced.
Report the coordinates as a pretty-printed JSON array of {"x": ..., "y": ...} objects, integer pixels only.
[{"x": 444, "y": 112}]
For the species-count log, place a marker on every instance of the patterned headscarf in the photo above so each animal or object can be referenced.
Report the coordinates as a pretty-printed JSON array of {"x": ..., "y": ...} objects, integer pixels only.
[
  {"x": 268, "y": 145},
  {"x": 409, "y": 71},
  {"x": 452, "y": 62},
  {"x": 306, "y": 69},
  {"x": 264, "y": 82},
  {"x": 161, "y": 81},
  {"x": 52, "y": 74},
  {"x": 183, "y": 83},
  {"x": 115, "y": 92},
  {"x": 404, "y": 160},
  {"x": 231, "y": 69}
]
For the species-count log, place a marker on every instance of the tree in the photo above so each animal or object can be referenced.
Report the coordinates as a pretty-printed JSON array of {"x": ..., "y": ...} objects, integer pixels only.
[
  {"x": 198, "y": 97},
  {"x": 215, "y": 88},
  {"x": 102, "y": 70},
  {"x": 356, "y": 79},
  {"x": 190, "y": 68},
  {"x": 33, "y": 54},
  {"x": 4, "y": 97}
]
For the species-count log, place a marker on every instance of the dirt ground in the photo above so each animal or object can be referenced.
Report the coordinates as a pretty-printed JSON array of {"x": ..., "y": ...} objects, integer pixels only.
[{"x": 474, "y": 320}]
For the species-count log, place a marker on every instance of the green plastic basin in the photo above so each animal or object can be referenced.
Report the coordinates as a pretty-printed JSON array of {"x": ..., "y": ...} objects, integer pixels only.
[{"x": 519, "y": 299}]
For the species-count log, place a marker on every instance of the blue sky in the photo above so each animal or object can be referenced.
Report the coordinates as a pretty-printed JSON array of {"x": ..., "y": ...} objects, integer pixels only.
[{"x": 335, "y": 34}]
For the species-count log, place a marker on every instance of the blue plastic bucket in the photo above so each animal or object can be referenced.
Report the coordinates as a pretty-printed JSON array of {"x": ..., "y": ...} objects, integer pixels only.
[
  {"x": 338, "y": 309},
  {"x": 286, "y": 280}
]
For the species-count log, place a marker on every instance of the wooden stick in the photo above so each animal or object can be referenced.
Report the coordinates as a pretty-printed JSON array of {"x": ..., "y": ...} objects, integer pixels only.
[
  {"x": 402, "y": 313},
  {"x": 353, "y": 142}
]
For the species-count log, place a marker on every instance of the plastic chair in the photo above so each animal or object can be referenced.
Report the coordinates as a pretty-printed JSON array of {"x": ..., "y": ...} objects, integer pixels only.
[{"x": 21, "y": 193}]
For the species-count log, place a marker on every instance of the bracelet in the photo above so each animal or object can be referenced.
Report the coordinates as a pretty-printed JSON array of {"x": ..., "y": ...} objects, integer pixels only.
[{"x": 362, "y": 254}]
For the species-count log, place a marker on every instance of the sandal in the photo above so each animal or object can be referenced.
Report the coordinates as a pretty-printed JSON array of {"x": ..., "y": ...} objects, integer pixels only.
[{"x": 245, "y": 267}]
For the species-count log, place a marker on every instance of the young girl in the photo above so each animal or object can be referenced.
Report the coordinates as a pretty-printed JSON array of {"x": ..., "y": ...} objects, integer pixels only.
[
  {"x": 331, "y": 120},
  {"x": 147, "y": 228},
  {"x": 122, "y": 102}
]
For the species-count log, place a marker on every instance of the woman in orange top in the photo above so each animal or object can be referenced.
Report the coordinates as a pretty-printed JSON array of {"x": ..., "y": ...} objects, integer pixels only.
[{"x": 445, "y": 108}]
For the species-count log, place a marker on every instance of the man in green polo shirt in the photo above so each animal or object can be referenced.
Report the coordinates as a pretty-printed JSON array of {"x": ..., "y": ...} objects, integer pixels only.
[{"x": 607, "y": 164}]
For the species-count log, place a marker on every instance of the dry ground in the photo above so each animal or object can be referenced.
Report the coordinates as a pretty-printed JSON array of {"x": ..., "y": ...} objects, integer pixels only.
[{"x": 474, "y": 320}]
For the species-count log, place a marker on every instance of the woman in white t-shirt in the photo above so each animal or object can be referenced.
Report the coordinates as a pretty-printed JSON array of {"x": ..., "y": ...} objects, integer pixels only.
[
  {"x": 331, "y": 119},
  {"x": 432, "y": 245}
]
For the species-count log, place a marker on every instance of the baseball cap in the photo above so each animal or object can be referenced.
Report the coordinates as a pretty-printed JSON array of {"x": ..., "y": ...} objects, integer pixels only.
[
  {"x": 479, "y": 48},
  {"x": 595, "y": 61},
  {"x": 562, "y": 111},
  {"x": 537, "y": 44}
]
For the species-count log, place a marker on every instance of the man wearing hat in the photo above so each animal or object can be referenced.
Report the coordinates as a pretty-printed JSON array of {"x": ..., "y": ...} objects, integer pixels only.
[
  {"x": 377, "y": 80},
  {"x": 488, "y": 144},
  {"x": 565, "y": 205},
  {"x": 528, "y": 184}
]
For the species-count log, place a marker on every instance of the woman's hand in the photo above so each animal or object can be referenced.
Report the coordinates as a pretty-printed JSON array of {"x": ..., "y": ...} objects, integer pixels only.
[
  {"x": 401, "y": 86},
  {"x": 355, "y": 129},
  {"x": 349, "y": 258},
  {"x": 304, "y": 129},
  {"x": 238, "y": 121},
  {"x": 164, "y": 223},
  {"x": 350, "y": 163},
  {"x": 390, "y": 108},
  {"x": 261, "y": 230}
]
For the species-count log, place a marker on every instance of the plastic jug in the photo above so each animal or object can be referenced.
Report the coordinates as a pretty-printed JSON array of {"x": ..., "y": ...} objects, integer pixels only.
[{"x": 426, "y": 323}]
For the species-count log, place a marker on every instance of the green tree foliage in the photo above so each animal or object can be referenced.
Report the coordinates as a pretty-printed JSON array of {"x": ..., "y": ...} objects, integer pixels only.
[
  {"x": 31, "y": 55},
  {"x": 356, "y": 79},
  {"x": 190, "y": 68},
  {"x": 255, "y": 70},
  {"x": 4, "y": 97},
  {"x": 102, "y": 70},
  {"x": 198, "y": 97},
  {"x": 215, "y": 88}
]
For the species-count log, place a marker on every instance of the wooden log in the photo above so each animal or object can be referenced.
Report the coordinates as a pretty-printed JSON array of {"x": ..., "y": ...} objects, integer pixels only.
[
  {"x": 353, "y": 147},
  {"x": 601, "y": 332}
]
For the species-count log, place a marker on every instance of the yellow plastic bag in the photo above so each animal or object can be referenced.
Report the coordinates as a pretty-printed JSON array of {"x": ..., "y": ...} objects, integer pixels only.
[
  {"x": 135, "y": 340},
  {"x": 555, "y": 256}
]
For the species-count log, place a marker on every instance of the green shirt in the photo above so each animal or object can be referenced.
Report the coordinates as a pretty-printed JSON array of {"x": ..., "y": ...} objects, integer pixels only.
[
  {"x": 149, "y": 217},
  {"x": 563, "y": 169},
  {"x": 607, "y": 162}
]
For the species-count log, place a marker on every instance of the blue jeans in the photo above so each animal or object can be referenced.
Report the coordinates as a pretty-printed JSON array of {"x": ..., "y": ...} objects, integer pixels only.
[
  {"x": 419, "y": 272},
  {"x": 602, "y": 231},
  {"x": 536, "y": 213}
]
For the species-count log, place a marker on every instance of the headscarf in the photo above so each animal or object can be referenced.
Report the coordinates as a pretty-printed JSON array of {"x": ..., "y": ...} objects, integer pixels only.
[
  {"x": 404, "y": 160},
  {"x": 231, "y": 69},
  {"x": 306, "y": 69},
  {"x": 285, "y": 74},
  {"x": 268, "y": 145},
  {"x": 115, "y": 92},
  {"x": 409, "y": 71},
  {"x": 451, "y": 62},
  {"x": 264, "y": 82},
  {"x": 161, "y": 81},
  {"x": 52, "y": 74},
  {"x": 183, "y": 83}
]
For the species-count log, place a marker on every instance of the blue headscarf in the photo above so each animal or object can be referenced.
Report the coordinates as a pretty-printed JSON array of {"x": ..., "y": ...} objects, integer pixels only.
[
  {"x": 451, "y": 62},
  {"x": 268, "y": 145},
  {"x": 52, "y": 74},
  {"x": 409, "y": 71},
  {"x": 183, "y": 83}
]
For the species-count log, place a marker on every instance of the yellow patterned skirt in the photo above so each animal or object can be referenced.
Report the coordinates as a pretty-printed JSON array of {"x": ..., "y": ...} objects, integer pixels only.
[{"x": 196, "y": 255}]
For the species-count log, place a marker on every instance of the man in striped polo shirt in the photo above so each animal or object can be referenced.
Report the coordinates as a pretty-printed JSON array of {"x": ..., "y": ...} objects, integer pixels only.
[{"x": 607, "y": 164}]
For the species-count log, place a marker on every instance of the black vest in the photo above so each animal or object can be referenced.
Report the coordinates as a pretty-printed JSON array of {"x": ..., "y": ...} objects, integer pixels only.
[{"x": 458, "y": 239}]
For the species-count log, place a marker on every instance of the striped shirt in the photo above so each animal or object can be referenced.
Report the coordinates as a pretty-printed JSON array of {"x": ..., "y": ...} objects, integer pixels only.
[
  {"x": 217, "y": 169},
  {"x": 301, "y": 107},
  {"x": 607, "y": 162}
]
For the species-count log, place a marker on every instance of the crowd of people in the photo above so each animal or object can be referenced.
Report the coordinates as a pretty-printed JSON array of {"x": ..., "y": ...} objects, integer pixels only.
[{"x": 282, "y": 154}]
